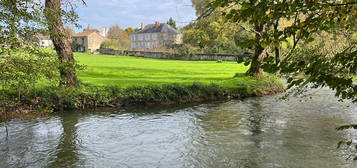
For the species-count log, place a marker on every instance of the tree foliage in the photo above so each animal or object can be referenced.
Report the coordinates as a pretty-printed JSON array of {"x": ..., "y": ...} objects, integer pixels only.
[
  {"x": 278, "y": 22},
  {"x": 22, "y": 63},
  {"x": 21, "y": 60},
  {"x": 214, "y": 34},
  {"x": 172, "y": 23},
  {"x": 314, "y": 39},
  {"x": 200, "y": 6},
  {"x": 119, "y": 38}
]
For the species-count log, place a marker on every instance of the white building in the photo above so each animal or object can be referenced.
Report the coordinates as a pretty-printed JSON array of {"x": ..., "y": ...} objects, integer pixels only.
[{"x": 154, "y": 36}]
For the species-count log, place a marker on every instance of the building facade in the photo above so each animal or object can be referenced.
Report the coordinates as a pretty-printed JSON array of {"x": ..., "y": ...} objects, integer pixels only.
[
  {"x": 154, "y": 37},
  {"x": 87, "y": 41},
  {"x": 44, "y": 41}
]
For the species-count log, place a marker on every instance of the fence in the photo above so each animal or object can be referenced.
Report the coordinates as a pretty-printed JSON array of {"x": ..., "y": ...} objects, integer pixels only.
[{"x": 166, "y": 55}]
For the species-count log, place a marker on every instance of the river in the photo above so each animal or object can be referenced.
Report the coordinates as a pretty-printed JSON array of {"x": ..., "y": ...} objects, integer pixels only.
[{"x": 263, "y": 132}]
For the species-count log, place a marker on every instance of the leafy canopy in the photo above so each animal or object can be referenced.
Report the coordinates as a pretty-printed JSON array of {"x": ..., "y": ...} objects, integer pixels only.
[{"x": 290, "y": 25}]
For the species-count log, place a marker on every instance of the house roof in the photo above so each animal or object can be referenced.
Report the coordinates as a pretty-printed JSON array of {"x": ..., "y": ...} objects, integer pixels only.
[
  {"x": 162, "y": 28},
  {"x": 85, "y": 33}
]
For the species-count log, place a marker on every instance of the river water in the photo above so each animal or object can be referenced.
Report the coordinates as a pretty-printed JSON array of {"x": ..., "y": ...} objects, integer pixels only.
[{"x": 261, "y": 132}]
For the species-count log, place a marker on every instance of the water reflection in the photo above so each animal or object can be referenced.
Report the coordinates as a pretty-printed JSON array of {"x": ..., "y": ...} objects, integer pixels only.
[
  {"x": 66, "y": 152},
  {"x": 30, "y": 143},
  {"x": 255, "y": 117},
  {"x": 254, "y": 133}
]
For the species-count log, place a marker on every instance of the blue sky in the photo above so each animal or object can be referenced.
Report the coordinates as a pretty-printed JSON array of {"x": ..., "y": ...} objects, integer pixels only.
[{"x": 131, "y": 13}]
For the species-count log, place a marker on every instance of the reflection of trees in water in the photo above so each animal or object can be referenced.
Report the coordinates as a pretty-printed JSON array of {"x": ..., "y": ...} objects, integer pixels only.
[
  {"x": 228, "y": 125},
  {"x": 66, "y": 152},
  {"x": 15, "y": 148},
  {"x": 255, "y": 117},
  {"x": 220, "y": 120}
]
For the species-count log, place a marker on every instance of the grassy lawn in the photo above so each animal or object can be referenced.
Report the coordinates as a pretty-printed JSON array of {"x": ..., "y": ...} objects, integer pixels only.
[
  {"x": 127, "y": 71},
  {"x": 116, "y": 81}
]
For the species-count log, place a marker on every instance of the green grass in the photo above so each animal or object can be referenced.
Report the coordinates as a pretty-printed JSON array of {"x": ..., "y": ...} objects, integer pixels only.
[
  {"x": 128, "y": 71},
  {"x": 116, "y": 81}
]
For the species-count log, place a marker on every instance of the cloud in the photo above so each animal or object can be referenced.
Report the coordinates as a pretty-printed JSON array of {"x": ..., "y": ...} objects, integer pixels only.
[{"x": 130, "y": 13}]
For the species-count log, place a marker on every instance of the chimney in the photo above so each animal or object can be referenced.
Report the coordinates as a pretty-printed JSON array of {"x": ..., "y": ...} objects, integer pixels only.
[
  {"x": 142, "y": 26},
  {"x": 157, "y": 23}
]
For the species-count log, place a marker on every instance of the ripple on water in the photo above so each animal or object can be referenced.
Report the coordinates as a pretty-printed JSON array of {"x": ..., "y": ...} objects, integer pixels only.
[{"x": 256, "y": 132}]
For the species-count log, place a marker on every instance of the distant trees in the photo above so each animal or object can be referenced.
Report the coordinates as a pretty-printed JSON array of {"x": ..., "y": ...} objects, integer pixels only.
[
  {"x": 114, "y": 32},
  {"x": 130, "y": 30},
  {"x": 119, "y": 38},
  {"x": 212, "y": 34},
  {"x": 172, "y": 23}
]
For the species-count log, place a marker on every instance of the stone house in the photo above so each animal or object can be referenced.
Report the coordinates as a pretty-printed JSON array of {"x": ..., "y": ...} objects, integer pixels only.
[
  {"x": 87, "y": 41},
  {"x": 154, "y": 37},
  {"x": 44, "y": 41}
]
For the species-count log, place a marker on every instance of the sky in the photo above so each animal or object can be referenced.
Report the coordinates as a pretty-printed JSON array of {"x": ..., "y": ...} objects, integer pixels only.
[{"x": 131, "y": 13}]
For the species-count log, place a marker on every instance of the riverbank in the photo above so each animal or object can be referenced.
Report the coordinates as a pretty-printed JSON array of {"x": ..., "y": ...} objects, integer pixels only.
[
  {"x": 115, "y": 81},
  {"x": 55, "y": 99}
]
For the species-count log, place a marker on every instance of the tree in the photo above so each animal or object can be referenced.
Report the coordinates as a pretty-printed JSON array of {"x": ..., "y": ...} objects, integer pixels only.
[
  {"x": 307, "y": 53},
  {"x": 130, "y": 30},
  {"x": 22, "y": 62},
  {"x": 200, "y": 6},
  {"x": 114, "y": 32},
  {"x": 264, "y": 19},
  {"x": 119, "y": 38},
  {"x": 62, "y": 42},
  {"x": 172, "y": 23},
  {"x": 213, "y": 35}
]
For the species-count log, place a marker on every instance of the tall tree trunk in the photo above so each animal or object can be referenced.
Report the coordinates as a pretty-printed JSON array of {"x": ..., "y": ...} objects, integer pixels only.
[
  {"x": 62, "y": 43},
  {"x": 277, "y": 55},
  {"x": 257, "y": 60},
  {"x": 258, "y": 57},
  {"x": 276, "y": 48}
]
